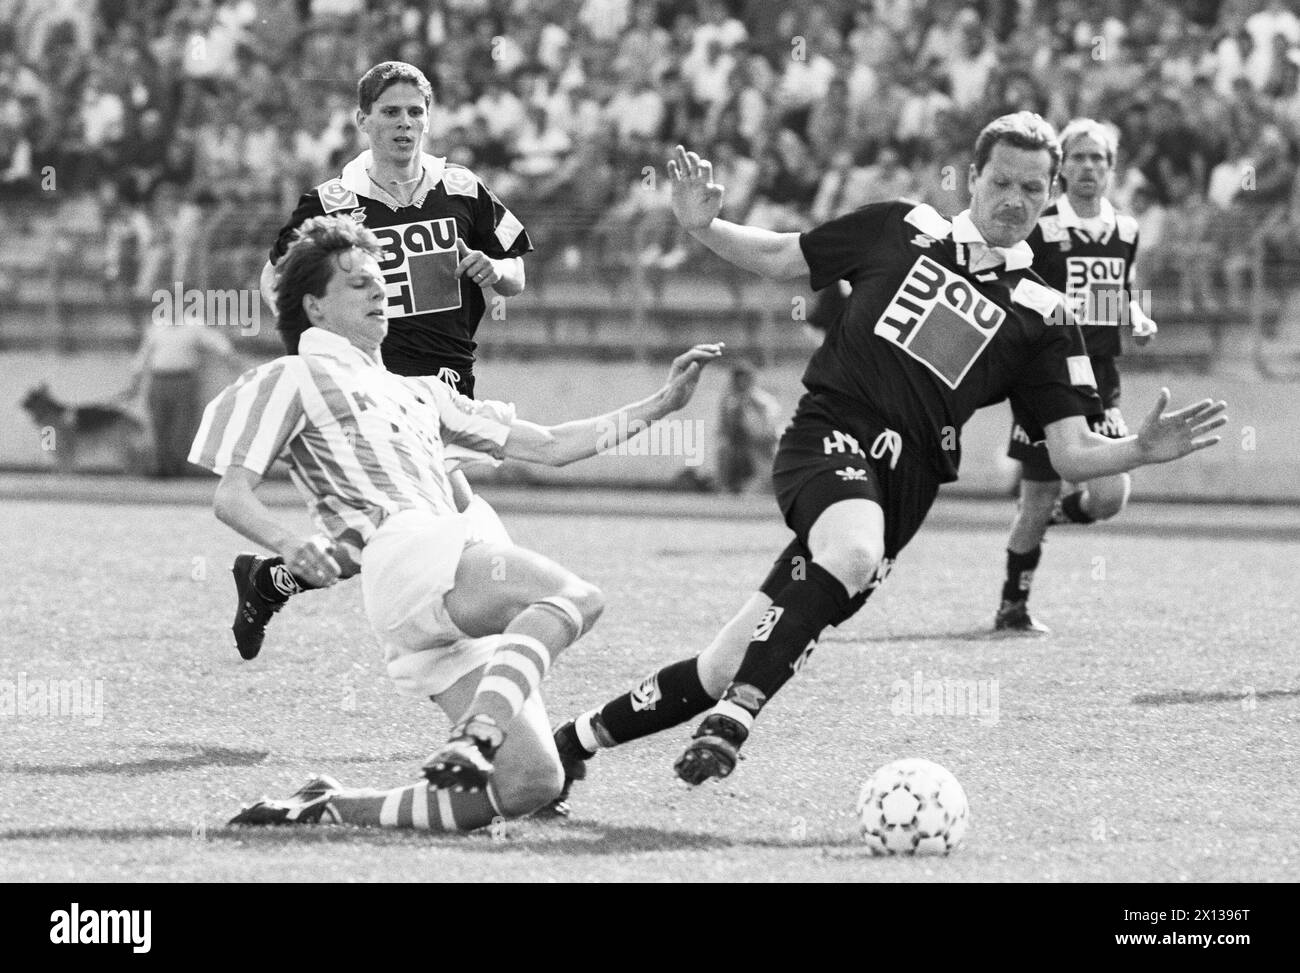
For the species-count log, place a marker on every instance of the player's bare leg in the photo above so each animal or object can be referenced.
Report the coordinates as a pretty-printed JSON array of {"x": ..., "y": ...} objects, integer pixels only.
[
  {"x": 847, "y": 542},
  {"x": 1034, "y": 512},
  {"x": 1041, "y": 506},
  {"x": 541, "y": 608}
]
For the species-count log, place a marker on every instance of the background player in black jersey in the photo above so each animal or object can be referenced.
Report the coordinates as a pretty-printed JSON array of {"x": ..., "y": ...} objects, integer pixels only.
[
  {"x": 943, "y": 318},
  {"x": 1086, "y": 250},
  {"x": 447, "y": 238}
]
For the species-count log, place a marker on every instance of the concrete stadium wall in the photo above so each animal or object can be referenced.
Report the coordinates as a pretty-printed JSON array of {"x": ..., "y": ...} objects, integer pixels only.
[{"x": 1258, "y": 461}]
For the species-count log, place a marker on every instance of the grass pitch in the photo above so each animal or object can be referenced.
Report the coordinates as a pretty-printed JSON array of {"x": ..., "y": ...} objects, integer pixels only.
[{"x": 1152, "y": 738}]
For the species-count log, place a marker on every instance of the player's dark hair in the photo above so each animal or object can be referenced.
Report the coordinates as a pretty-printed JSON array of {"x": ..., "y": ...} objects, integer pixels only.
[
  {"x": 1021, "y": 130},
  {"x": 386, "y": 74},
  {"x": 309, "y": 264}
]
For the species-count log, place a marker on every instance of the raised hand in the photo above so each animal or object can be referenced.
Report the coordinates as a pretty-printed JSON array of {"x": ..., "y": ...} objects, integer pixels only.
[
  {"x": 1169, "y": 436},
  {"x": 697, "y": 199},
  {"x": 684, "y": 375}
]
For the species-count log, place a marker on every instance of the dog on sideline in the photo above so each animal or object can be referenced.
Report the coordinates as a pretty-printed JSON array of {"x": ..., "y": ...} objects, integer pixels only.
[{"x": 106, "y": 429}]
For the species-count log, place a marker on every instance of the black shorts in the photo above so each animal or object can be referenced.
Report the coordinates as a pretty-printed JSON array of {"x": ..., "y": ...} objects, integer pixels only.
[
  {"x": 829, "y": 454},
  {"x": 1035, "y": 463}
]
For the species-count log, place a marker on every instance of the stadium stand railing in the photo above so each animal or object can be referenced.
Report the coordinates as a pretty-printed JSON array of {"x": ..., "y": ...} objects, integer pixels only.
[{"x": 614, "y": 304}]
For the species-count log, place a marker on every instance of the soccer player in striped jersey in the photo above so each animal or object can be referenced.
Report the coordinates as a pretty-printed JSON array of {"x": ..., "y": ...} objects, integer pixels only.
[
  {"x": 1085, "y": 250},
  {"x": 447, "y": 242},
  {"x": 471, "y": 622}
]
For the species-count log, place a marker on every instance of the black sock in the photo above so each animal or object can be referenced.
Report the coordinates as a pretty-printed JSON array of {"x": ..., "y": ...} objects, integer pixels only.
[
  {"x": 662, "y": 700},
  {"x": 786, "y": 634},
  {"x": 1072, "y": 507},
  {"x": 276, "y": 583},
  {"x": 1020, "y": 574}
]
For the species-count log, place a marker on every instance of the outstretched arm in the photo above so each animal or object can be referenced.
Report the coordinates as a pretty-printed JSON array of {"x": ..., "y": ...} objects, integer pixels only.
[
  {"x": 697, "y": 200},
  {"x": 582, "y": 438},
  {"x": 1080, "y": 454},
  {"x": 237, "y": 506}
]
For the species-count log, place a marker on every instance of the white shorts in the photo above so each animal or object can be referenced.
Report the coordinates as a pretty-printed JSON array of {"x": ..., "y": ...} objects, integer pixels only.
[{"x": 408, "y": 567}]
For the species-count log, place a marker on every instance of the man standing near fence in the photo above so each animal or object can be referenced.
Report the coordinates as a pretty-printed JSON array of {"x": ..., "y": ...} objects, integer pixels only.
[{"x": 447, "y": 240}]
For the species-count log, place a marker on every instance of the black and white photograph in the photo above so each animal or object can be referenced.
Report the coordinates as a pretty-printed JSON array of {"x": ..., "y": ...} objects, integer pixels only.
[{"x": 651, "y": 441}]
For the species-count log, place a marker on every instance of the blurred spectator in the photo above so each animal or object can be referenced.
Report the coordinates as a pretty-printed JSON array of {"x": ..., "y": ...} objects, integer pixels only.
[
  {"x": 787, "y": 183},
  {"x": 230, "y": 97},
  {"x": 1194, "y": 250},
  {"x": 748, "y": 425},
  {"x": 845, "y": 186},
  {"x": 971, "y": 65},
  {"x": 921, "y": 114},
  {"x": 645, "y": 50},
  {"x": 1174, "y": 151},
  {"x": 739, "y": 173},
  {"x": 605, "y": 19}
]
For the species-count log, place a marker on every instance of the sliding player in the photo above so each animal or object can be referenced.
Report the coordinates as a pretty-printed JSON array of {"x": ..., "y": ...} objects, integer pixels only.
[{"x": 471, "y": 622}]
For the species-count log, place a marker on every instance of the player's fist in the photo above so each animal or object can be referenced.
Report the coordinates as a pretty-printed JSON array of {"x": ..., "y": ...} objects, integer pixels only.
[
  {"x": 476, "y": 265},
  {"x": 312, "y": 560},
  {"x": 1166, "y": 436},
  {"x": 697, "y": 199},
  {"x": 684, "y": 375},
  {"x": 1144, "y": 329}
]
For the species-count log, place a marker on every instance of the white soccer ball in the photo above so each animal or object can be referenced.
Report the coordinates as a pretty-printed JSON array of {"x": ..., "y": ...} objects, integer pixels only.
[{"x": 912, "y": 807}]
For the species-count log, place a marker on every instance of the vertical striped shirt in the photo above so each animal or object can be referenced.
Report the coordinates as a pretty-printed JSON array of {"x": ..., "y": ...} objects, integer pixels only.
[{"x": 361, "y": 442}]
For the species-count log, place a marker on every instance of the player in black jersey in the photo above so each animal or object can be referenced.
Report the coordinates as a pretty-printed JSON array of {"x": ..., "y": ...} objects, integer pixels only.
[
  {"x": 1085, "y": 250},
  {"x": 943, "y": 319},
  {"x": 447, "y": 238}
]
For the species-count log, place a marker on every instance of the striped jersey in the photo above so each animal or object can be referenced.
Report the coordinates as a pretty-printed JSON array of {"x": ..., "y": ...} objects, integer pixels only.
[
  {"x": 433, "y": 315},
  {"x": 361, "y": 443},
  {"x": 1090, "y": 261}
]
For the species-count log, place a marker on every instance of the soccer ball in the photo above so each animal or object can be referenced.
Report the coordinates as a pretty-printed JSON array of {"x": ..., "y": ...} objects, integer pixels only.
[{"x": 912, "y": 807}]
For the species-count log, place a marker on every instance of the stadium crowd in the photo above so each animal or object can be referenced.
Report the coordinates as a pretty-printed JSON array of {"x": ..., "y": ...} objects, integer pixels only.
[{"x": 152, "y": 113}]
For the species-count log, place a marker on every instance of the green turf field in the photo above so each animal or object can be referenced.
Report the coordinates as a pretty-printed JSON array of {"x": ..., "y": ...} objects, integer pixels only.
[{"x": 1153, "y": 738}]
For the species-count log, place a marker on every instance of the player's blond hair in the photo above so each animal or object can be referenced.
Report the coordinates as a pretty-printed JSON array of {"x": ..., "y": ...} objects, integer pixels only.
[{"x": 1090, "y": 128}]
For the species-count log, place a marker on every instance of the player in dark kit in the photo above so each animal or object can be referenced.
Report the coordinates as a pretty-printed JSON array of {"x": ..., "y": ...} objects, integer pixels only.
[
  {"x": 446, "y": 238},
  {"x": 944, "y": 318},
  {"x": 1085, "y": 250}
]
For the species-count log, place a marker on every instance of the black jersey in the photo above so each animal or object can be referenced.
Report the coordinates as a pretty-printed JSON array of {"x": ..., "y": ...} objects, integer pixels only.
[
  {"x": 1094, "y": 273},
  {"x": 923, "y": 342},
  {"x": 432, "y": 314}
]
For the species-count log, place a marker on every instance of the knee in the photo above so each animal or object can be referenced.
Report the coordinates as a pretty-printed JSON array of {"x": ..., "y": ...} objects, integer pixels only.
[
  {"x": 526, "y": 792},
  {"x": 588, "y": 599},
  {"x": 1038, "y": 497},
  {"x": 853, "y": 560},
  {"x": 1107, "y": 497}
]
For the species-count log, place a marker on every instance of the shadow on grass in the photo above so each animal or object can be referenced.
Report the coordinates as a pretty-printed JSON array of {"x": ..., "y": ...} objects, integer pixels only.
[
  {"x": 964, "y": 635},
  {"x": 196, "y": 755},
  {"x": 536, "y": 838},
  {"x": 1200, "y": 696}
]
